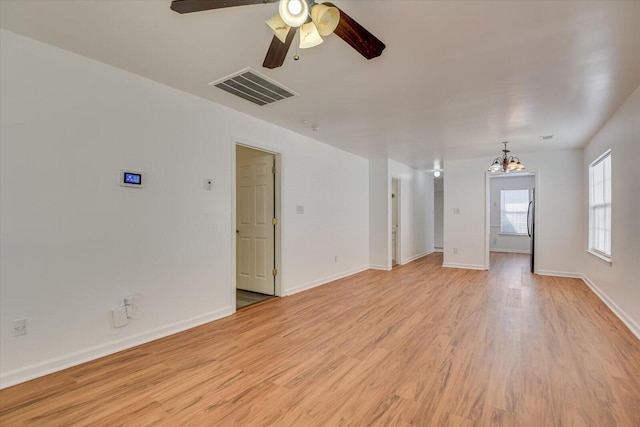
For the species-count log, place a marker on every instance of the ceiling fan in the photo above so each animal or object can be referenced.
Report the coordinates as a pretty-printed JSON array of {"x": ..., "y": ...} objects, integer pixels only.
[{"x": 314, "y": 20}]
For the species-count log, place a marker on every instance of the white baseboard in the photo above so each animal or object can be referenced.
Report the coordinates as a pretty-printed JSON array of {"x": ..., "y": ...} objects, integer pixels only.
[
  {"x": 465, "y": 266},
  {"x": 17, "y": 376},
  {"x": 413, "y": 258},
  {"x": 559, "y": 273},
  {"x": 381, "y": 267},
  {"x": 438, "y": 250},
  {"x": 324, "y": 280},
  {"x": 511, "y": 251},
  {"x": 633, "y": 326}
]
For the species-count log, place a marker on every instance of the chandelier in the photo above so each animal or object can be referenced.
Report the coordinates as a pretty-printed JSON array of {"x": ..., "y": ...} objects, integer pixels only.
[{"x": 506, "y": 163}]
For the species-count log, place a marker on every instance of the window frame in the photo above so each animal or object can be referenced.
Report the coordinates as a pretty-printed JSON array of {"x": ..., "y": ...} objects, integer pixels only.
[{"x": 606, "y": 205}]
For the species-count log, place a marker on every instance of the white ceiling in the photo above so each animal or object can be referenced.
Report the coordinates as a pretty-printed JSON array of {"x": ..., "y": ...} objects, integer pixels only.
[{"x": 456, "y": 78}]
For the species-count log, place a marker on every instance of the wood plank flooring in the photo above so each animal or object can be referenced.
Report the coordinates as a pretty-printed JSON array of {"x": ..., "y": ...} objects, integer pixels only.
[{"x": 420, "y": 345}]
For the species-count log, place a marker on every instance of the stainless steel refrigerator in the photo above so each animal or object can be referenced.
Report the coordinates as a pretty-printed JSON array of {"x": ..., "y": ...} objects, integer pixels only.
[{"x": 531, "y": 225}]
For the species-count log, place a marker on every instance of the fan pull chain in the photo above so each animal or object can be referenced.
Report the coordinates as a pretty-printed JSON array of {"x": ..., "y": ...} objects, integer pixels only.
[{"x": 296, "y": 56}]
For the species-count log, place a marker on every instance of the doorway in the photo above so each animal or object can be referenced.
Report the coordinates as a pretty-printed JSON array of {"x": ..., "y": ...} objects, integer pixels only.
[
  {"x": 438, "y": 214},
  {"x": 510, "y": 216},
  {"x": 395, "y": 221},
  {"x": 256, "y": 224}
]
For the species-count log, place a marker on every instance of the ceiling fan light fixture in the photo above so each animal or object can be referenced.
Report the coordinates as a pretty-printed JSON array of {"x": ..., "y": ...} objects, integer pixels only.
[
  {"x": 326, "y": 18},
  {"x": 294, "y": 12},
  {"x": 309, "y": 36},
  {"x": 279, "y": 28}
]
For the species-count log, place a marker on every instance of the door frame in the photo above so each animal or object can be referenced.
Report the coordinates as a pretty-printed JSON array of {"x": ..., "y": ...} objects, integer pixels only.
[
  {"x": 278, "y": 154},
  {"x": 487, "y": 215},
  {"x": 399, "y": 230}
]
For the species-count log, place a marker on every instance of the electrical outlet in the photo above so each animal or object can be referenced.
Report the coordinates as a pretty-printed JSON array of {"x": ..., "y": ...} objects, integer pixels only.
[
  {"x": 336, "y": 258},
  {"x": 132, "y": 305},
  {"x": 455, "y": 251},
  {"x": 207, "y": 184},
  {"x": 495, "y": 240},
  {"x": 19, "y": 327},
  {"x": 119, "y": 317}
]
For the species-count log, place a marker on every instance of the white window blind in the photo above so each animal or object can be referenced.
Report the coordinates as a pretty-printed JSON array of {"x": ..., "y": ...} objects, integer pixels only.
[
  {"x": 513, "y": 211},
  {"x": 600, "y": 205}
]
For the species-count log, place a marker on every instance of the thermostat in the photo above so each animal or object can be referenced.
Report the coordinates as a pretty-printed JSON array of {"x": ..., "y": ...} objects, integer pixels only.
[{"x": 128, "y": 178}]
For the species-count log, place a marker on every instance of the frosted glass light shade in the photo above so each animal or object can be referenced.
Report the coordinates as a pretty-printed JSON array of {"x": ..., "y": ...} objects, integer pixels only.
[
  {"x": 279, "y": 28},
  {"x": 294, "y": 12},
  {"x": 309, "y": 36},
  {"x": 326, "y": 18},
  {"x": 495, "y": 166}
]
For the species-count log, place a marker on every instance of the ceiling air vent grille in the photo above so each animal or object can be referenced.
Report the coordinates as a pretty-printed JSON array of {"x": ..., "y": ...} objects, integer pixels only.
[{"x": 254, "y": 87}]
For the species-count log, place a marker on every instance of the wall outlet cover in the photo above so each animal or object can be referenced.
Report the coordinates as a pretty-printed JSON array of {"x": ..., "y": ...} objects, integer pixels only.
[
  {"x": 134, "y": 311},
  {"x": 119, "y": 317},
  {"x": 19, "y": 327}
]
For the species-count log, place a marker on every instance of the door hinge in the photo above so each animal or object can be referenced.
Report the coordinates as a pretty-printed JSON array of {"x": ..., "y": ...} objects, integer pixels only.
[
  {"x": 273, "y": 170},
  {"x": 274, "y": 272},
  {"x": 274, "y": 221}
]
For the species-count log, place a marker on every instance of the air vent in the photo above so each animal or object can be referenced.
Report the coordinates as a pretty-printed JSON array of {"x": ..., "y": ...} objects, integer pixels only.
[
  {"x": 254, "y": 87},
  {"x": 546, "y": 137}
]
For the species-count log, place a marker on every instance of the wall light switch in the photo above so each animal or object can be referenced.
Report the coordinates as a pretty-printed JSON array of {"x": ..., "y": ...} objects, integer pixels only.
[
  {"x": 456, "y": 211},
  {"x": 207, "y": 184}
]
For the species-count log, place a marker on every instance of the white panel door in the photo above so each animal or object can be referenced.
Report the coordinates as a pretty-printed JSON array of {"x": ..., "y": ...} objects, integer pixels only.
[{"x": 255, "y": 230}]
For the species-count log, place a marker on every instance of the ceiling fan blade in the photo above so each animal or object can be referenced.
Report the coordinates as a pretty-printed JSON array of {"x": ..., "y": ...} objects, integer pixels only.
[
  {"x": 357, "y": 36},
  {"x": 278, "y": 51},
  {"x": 187, "y": 6}
]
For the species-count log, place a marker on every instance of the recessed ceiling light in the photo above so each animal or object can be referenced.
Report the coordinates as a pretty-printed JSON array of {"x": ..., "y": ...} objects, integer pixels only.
[{"x": 546, "y": 137}]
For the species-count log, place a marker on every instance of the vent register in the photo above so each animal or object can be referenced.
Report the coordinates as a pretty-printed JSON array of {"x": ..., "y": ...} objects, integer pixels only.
[{"x": 250, "y": 85}]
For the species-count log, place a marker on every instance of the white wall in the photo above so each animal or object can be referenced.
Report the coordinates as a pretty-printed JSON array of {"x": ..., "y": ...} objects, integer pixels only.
[
  {"x": 465, "y": 232},
  {"x": 618, "y": 284},
  {"x": 507, "y": 242},
  {"x": 74, "y": 243},
  {"x": 559, "y": 216},
  {"x": 379, "y": 215},
  {"x": 416, "y": 211}
]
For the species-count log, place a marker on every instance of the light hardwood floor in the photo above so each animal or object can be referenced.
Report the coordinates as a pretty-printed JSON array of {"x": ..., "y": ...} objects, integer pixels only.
[{"x": 420, "y": 345}]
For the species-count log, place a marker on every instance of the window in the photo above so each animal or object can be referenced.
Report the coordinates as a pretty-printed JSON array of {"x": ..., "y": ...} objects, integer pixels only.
[
  {"x": 600, "y": 206},
  {"x": 514, "y": 205}
]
